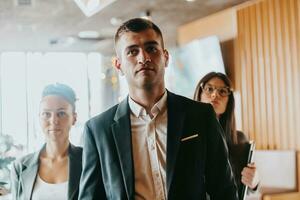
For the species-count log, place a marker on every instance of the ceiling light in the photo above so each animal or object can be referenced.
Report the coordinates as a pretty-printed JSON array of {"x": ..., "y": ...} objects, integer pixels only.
[
  {"x": 23, "y": 2},
  {"x": 146, "y": 15},
  {"x": 88, "y": 34},
  {"x": 115, "y": 21},
  {"x": 190, "y": 0},
  {"x": 91, "y": 7},
  {"x": 63, "y": 41}
]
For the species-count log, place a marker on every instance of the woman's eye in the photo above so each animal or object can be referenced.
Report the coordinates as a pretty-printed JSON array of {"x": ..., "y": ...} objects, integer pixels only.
[
  {"x": 61, "y": 114},
  {"x": 46, "y": 114},
  {"x": 223, "y": 91},
  {"x": 210, "y": 89}
]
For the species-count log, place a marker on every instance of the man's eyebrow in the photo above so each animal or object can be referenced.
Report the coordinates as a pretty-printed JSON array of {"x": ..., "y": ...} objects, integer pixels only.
[
  {"x": 151, "y": 43},
  {"x": 146, "y": 44},
  {"x": 131, "y": 46}
]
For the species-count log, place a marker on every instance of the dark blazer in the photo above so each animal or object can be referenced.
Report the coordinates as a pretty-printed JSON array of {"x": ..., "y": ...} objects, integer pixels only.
[
  {"x": 24, "y": 172},
  {"x": 194, "y": 166}
]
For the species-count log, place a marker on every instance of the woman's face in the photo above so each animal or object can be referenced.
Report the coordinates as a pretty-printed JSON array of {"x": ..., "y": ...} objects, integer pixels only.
[
  {"x": 56, "y": 117},
  {"x": 213, "y": 93}
]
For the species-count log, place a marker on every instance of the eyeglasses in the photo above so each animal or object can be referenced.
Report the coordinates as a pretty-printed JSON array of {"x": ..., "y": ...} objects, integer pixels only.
[{"x": 222, "y": 91}]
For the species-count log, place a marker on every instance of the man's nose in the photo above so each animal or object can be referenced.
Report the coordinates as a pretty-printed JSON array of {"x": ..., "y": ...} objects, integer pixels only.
[{"x": 143, "y": 57}]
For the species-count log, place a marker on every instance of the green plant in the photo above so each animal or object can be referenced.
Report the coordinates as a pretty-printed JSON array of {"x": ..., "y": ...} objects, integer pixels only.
[{"x": 6, "y": 158}]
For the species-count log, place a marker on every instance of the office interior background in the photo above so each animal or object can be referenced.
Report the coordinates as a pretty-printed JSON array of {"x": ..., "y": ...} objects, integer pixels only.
[{"x": 255, "y": 42}]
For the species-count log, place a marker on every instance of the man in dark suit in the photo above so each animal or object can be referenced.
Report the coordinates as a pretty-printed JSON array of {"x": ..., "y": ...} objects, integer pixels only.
[{"x": 154, "y": 144}]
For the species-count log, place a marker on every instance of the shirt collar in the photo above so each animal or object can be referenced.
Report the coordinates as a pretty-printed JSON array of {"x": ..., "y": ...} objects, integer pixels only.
[{"x": 139, "y": 110}]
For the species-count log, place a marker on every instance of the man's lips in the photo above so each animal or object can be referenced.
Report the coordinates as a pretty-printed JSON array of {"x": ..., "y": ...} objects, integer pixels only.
[{"x": 144, "y": 69}]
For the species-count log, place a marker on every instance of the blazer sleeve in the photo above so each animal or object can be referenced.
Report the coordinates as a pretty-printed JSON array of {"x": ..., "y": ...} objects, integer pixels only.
[
  {"x": 219, "y": 176},
  {"x": 91, "y": 183},
  {"x": 14, "y": 184}
]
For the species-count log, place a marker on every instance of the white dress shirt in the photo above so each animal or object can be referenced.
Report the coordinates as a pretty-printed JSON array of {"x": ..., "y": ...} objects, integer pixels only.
[{"x": 149, "y": 145}]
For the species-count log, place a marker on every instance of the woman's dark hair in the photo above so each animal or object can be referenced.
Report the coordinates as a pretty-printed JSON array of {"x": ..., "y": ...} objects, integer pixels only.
[{"x": 227, "y": 119}]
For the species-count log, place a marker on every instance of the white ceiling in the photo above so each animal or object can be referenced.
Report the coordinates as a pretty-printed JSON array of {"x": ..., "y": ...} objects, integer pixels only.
[{"x": 53, "y": 25}]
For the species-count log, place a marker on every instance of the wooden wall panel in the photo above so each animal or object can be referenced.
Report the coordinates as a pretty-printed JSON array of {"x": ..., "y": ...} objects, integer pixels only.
[
  {"x": 268, "y": 58},
  {"x": 211, "y": 25}
]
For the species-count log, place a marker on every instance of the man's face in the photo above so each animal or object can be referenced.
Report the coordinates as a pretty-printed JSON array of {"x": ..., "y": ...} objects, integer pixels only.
[{"x": 142, "y": 59}]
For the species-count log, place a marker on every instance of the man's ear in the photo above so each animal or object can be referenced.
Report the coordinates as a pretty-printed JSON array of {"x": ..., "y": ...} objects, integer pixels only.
[
  {"x": 166, "y": 55},
  {"x": 117, "y": 65}
]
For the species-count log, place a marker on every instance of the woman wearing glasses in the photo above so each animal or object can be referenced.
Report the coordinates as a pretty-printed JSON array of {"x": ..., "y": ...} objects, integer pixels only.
[
  {"x": 54, "y": 171},
  {"x": 215, "y": 88}
]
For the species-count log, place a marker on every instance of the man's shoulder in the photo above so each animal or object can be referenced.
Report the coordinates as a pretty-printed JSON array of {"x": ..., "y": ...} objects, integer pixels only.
[
  {"x": 105, "y": 116},
  {"x": 185, "y": 101}
]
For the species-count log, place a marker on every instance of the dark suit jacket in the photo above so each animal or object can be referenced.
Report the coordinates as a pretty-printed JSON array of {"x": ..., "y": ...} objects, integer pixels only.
[
  {"x": 24, "y": 172},
  {"x": 194, "y": 166}
]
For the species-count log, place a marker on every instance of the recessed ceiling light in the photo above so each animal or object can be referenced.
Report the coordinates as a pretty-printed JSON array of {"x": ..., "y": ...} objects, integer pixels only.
[
  {"x": 90, "y": 7},
  {"x": 190, "y": 0},
  {"x": 115, "y": 21},
  {"x": 146, "y": 15},
  {"x": 88, "y": 34},
  {"x": 63, "y": 41},
  {"x": 23, "y": 2}
]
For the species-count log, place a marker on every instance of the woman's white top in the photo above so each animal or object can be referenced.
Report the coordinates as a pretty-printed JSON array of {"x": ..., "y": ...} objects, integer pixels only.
[{"x": 48, "y": 191}]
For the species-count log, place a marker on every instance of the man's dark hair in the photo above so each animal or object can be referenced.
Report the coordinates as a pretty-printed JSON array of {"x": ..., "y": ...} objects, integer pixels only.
[{"x": 137, "y": 25}]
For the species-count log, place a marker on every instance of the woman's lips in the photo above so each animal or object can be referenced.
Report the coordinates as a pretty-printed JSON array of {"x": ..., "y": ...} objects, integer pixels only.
[
  {"x": 215, "y": 103},
  {"x": 53, "y": 130}
]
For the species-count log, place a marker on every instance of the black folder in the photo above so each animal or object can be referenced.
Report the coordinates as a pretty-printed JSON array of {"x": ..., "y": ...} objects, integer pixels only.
[
  {"x": 241, "y": 155},
  {"x": 249, "y": 153}
]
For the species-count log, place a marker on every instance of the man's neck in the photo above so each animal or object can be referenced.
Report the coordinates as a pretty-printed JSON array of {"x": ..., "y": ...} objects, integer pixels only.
[{"x": 147, "y": 98}]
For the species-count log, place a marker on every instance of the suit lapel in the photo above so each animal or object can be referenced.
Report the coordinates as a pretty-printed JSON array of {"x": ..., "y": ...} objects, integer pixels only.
[
  {"x": 121, "y": 130},
  {"x": 176, "y": 116},
  {"x": 29, "y": 173},
  {"x": 74, "y": 171}
]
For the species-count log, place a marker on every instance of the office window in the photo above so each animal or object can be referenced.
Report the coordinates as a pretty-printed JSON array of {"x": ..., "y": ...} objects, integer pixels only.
[{"x": 23, "y": 77}]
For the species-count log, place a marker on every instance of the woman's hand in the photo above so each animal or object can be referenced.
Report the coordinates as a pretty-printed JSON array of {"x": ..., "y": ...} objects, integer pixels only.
[{"x": 250, "y": 176}]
